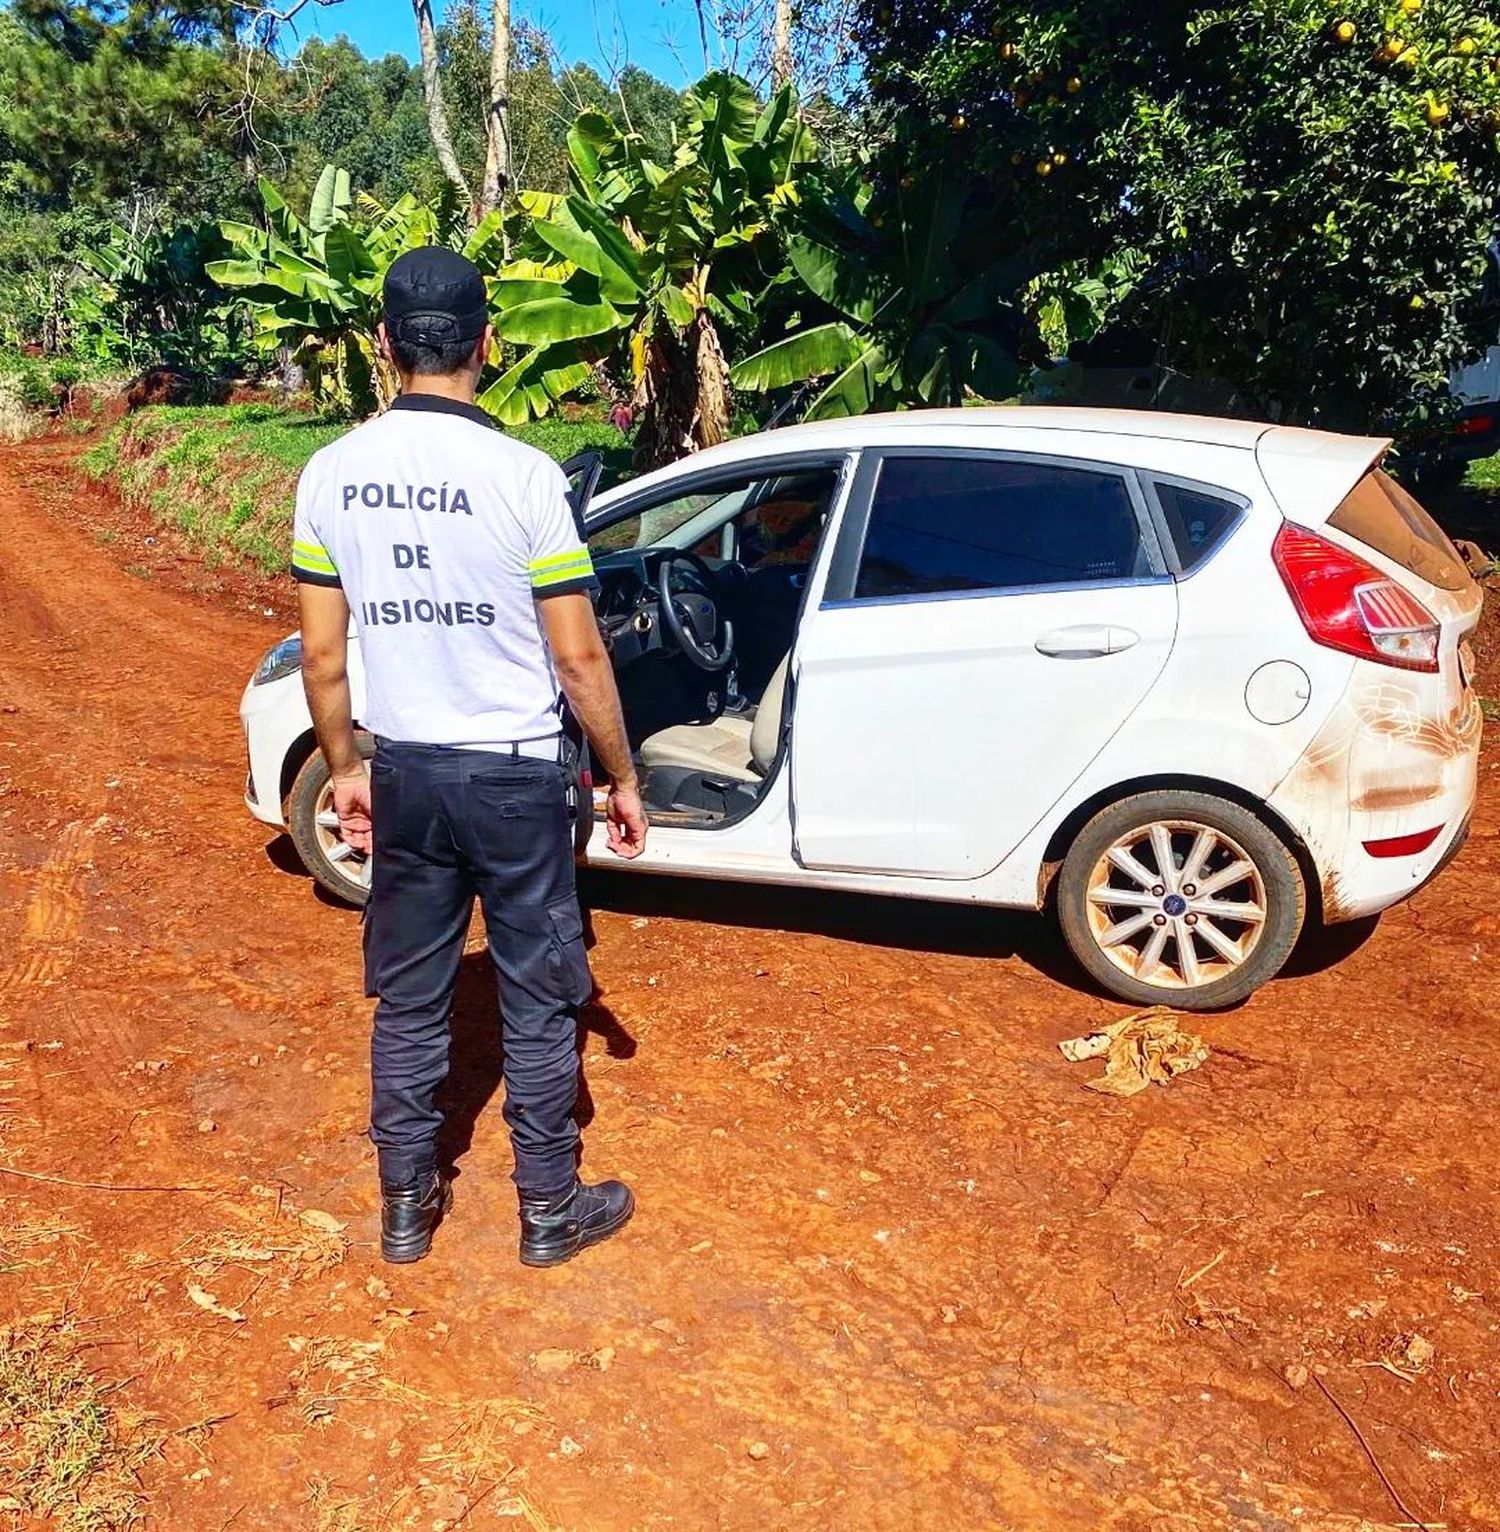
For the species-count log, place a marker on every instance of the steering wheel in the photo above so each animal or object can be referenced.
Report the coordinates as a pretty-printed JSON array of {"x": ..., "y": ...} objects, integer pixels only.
[{"x": 691, "y": 616}]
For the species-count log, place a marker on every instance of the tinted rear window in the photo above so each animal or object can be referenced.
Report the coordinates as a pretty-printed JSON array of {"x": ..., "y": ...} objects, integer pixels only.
[
  {"x": 1197, "y": 521},
  {"x": 954, "y": 523},
  {"x": 1379, "y": 513}
]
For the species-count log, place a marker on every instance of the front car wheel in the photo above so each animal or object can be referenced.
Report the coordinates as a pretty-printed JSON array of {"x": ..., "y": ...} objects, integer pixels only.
[
  {"x": 1181, "y": 899},
  {"x": 314, "y": 827}
]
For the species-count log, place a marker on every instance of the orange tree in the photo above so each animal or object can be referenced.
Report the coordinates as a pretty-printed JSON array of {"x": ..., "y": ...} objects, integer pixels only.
[{"x": 1308, "y": 187}]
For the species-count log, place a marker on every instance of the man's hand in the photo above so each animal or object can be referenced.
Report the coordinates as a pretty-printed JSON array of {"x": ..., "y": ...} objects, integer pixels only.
[
  {"x": 627, "y": 822},
  {"x": 351, "y": 802}
]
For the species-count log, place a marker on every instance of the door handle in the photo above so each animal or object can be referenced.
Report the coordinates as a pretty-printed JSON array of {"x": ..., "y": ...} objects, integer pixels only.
[{"x": 1086, "y": 641}]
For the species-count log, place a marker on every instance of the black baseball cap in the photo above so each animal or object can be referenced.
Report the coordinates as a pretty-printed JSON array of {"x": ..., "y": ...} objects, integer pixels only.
[{"x": 434, "y": 297}]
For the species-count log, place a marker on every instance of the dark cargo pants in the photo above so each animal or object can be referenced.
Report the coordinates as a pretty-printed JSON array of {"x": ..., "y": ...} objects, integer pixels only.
[{"x": 450, "y": 824}]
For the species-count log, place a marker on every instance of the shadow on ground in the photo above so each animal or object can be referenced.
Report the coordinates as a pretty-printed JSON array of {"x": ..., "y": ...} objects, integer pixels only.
[{"x": 476, "y": 1058}]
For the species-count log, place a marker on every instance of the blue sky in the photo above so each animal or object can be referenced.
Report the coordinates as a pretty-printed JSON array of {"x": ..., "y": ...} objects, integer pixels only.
[{"x": 662, "y": 35}]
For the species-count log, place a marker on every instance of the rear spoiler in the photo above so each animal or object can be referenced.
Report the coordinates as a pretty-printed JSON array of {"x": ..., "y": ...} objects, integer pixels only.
[{"x": 1310, "y": 472}]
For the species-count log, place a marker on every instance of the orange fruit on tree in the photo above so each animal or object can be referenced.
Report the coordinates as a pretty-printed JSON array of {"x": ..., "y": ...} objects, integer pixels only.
[
  {"x": 1346, "y": 31},
  {"x": 958, "y": 122},
  {"x": 1059, "y": 158},
  {"x": 1411, "y": 7},
  {"x": 1074, "y": 85},
  {"x": 1467, "y": 46},
  {"x": 1044, "y": 167},
  {"x": 1394, "y": 47},
  {"x": 1417, "y": 301},
  {"x": 1438, "y": 113}
]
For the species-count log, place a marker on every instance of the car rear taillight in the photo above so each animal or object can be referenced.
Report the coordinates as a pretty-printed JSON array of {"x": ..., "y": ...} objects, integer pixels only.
[
  {"x": 1347, "y": 604},
  {"x": 1403, "y": 845},
  {"x": 1475, "y": 425}
]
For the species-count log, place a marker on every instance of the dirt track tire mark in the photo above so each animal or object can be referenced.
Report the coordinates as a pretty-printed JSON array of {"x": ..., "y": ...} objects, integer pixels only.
[{"x": 54, "y": 912}]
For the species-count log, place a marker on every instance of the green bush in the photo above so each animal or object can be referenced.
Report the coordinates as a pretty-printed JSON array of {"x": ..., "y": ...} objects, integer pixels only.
[{"x": 32, "y": 387}]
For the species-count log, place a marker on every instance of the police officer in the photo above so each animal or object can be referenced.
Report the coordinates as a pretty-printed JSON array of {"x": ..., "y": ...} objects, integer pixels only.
[{"x": 457, "y": 552}]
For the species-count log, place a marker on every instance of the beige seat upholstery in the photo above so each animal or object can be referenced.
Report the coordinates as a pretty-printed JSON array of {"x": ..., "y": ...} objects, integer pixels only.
[{"x": 730, "y": 746}]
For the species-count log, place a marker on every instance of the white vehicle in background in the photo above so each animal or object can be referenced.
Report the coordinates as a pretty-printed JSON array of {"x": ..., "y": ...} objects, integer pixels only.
[
  {"x": 1475, "y": 434},
  {"x": 1192, "y": 682}
]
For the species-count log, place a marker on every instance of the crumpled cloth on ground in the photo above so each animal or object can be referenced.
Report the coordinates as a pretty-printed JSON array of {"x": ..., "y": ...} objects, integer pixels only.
[{"x": 1145, "y": 1048}]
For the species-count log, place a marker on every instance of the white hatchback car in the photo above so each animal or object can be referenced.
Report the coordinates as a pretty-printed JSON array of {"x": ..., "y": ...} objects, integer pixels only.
[{"x": 1194, "y": 680}]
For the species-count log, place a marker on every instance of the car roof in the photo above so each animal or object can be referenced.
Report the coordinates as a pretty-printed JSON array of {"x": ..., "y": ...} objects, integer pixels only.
[
  {"x": 1331, "y": 462},
  {"x": 1046, "y": 417}
]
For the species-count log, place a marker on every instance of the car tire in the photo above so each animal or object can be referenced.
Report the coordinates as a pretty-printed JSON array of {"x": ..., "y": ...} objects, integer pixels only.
[
  {"x": 343, "y": 873},
  {"x": 1203, "y": 937}
]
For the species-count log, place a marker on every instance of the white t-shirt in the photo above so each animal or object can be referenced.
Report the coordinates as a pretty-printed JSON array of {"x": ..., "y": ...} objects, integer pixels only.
[{"x": 443, "y": 533}]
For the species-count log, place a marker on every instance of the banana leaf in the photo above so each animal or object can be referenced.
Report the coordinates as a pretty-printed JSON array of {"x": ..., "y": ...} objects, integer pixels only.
[
  {"x": 330, "y": 199},
  {"x": 854, "y": 391},
  {"x": 548, "y": 320},
  {"x": 845, "y": 280},
  {"x": 813, "y": 353}
]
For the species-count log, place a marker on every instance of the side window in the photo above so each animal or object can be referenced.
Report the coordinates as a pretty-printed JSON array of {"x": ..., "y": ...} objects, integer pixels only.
[
  {"x": 776, "y": 520},
  {"x": 782, "y": 527},
  {"x": 955, "y": 523},
  {"x": 657, "y": 523},
  {"x": 1197, "y": 521}
]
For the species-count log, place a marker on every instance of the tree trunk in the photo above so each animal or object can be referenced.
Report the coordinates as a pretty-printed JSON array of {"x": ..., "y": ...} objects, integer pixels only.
[
  {"x": 711, "y": 422},
  {"x": 496, "y": 184},
  {"x": 781, "y": 45},
  {"x": 432, "y": 90},
  {"x": 683, "y": 396}
]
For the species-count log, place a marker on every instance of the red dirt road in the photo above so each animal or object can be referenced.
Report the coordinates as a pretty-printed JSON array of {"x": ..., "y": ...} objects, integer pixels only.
[{"x": 892, "y": 1266}]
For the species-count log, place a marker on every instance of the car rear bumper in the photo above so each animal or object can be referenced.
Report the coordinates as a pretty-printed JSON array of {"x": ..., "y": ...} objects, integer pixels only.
[
  {"x": 1379, "y": 884},
  {"x": 1391, "y": 764}
]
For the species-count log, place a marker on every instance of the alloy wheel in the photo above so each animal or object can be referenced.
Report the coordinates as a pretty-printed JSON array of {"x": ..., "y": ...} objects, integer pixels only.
[{"x": 1176, "y": 904}]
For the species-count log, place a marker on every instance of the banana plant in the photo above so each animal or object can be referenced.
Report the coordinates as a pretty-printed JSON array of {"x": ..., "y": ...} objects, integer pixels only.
[
  {"x": 646, "y": 266},
  {"x": 313, "y": 285},
  {"x": 922, "y": 309},
  {"x": 153, "y": 300}
]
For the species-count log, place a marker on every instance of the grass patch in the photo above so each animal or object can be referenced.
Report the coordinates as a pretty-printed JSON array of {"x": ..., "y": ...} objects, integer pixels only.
[
  {"x": 1484, "y": 475},
  {"x": 226, "y": 475},
  {"x": 67, "y": 1453}
]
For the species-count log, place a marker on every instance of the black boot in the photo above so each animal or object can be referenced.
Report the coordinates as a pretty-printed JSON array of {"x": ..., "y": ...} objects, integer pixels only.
[
  {"x": 555, "y": 1229},
  {"x": 410, "y": 1212}
]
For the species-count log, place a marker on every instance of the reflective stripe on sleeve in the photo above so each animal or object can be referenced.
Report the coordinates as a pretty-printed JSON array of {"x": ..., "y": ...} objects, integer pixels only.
[
  {"x": 559, "y": 568},
  {"x": 312, "y": 558}
]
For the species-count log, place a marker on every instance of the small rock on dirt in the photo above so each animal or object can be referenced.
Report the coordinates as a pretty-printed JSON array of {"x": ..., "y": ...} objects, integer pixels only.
[
  {"x": 208, "y": 1125},
  {"x": 758, "y": 1450},
  {"x": 1295, "y": 1374},
  {"x": 569, "y": 1448},
  {"x": 1418, "y": 1352},
  {"x": 553, "y": 1359}
]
